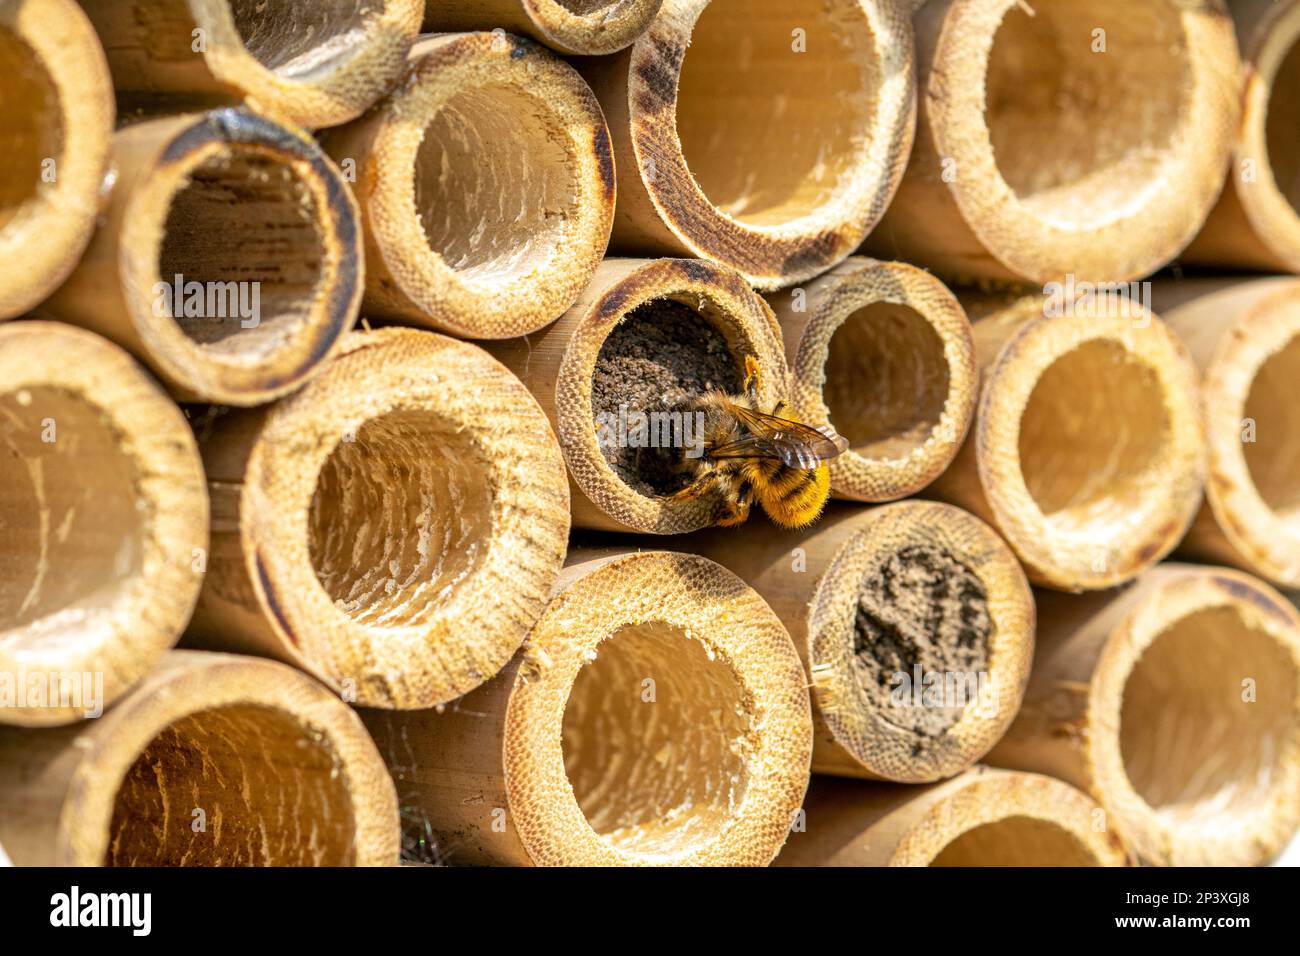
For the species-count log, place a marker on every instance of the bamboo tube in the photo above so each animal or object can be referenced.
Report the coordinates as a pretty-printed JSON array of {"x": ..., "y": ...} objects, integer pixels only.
[
  {"x": 883, "y": 603},
  {"x": 656, "y": 715},
  {"x": 774, "y": 146},
  {"x": 1087, "y": 452},
  {"x": 486, "y": 188},
  {"x": 578, "y": 27},
  {"x": 105, "y": 522},
  {"x": 56, "y": 118},
  {"x": 228, "y": 260},
  {"x": 214, "y": 760},
  {"x": 314, "y": 64},
  {"x": 881, "y": 351},
  {"x": 1176, "y": 703},
  {"x": 982, "y": 818},
  {"x": 1245, "y": 338},
  {"x": 1056, "y": 137},
  {"x": 393, "y": 529},
  {"x": 713, "y": 320},
  {"x": 1255, "y": 224}
]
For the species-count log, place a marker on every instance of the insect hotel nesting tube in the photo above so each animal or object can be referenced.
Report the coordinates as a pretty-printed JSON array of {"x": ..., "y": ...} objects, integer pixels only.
[
  {"x": 1245, "y": 337},
  {"x": 1087, "y": 451},
  {"x": 579, "y": 27},
  {"x": 486, "y": 187},
  {"x": 105, "y": 519},
  {"x": 56, "y": 119},
  {"x": 1256, "y": 224},
  {"x": 915, "y": 624},
  {"x": 314, "y": 64},
  {"x": 1175, "y": 702},
  {"x": 394, "y": 528},
  {"x": 883, "y": 353},
  {"x": 229, "y": 260},
  {"x": 657, "y": 715},
  {"x": 982, "y": 818},
  {"x": 1059, "y": 137},
  {"x": 768, "y": 135},
  {"x": 616, "y": 372},
  {"x": 214, "y": 760}
]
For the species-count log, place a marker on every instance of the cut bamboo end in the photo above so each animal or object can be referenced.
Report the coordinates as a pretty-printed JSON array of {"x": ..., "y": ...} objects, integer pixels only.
[
  {"x": 1176, "y": 704},
  {"x": 1245, "y": 336},
  {"x": 394, "y": 528},
  {"x": 214, "y": 760},
  {"x": 982, "y": 818},
  {"x": 1063, "y": 139},
  {"x": 229, "y": 260},
  {"x": 56, "y": 119},
  {"x": 1256, "y": 224},
  {"x": 644, "y": 339},
  {"x": 314, "y": 66},
  {"x": 486, "y": 186},
  {"x": 916, "y": 626},
  {"x": 657, "y": 715},
  {"x": 883, "y": 353},
  {"x": 1088, "y": 453},
  {"x": 703, "y": 169},
  {"x": 105, "y": 513},
  {"x": 578, "y": 27}
]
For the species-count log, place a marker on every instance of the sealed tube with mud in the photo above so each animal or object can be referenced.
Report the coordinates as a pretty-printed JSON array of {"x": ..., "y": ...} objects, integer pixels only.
[
  {"x": 982, "y": 818},
  {"x": 1174, "y": 702},
  {"x": 766, "y": 135},
  {"x": 105, "y": 518},
  {"x": 881, "y": 352},
  {"x": 1087, "y": 452},
  {"x": 1059, "y": 137},
  {"x": 229, "y": 259},
  {"x": 618, "y": 372},
  {"x": 314, "y": 64},
  {"x": 394, "y": 528},
  {"x": 915, "y": 624},
  {"x": 214, "y": 760},
  {"x": 576, "y": 27},
  {"x": 657, "y": 715},
  {"x": 486, "y": 187}
]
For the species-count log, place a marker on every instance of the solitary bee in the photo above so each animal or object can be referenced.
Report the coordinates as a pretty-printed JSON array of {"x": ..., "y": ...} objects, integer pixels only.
[{"x": 751, "y": 454}]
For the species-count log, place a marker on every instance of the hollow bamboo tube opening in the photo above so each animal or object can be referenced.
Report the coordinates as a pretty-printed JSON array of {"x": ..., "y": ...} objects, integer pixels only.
[
  {"x": 106, "y": 522},
  {"x": 229, "y": 261},
  {"x": 394, "y": 528},
  {"x": 315, "y": 65},
  {"x": 883, "y": 353},
  {"x": 915, "y": 624},
  {"x": 1063, "y": 138},
  {"x": 984, "y": 817},
  {"x": 617, "y": 371},
  {"x": 1087, "y": 453},
  {"x": 56, "y": 120},
  {"x": 657, "y": 715},
  {"x": 1176, "y": 703},
  {"x": 1256, "y": 223},
  {"x": 214, "y": 760},
  {"x": 486, "y": 187},
  {"x": 578, "y": 27},
  {"x": 1245, "y": 337},
  {"x": 697, "y": 106}
]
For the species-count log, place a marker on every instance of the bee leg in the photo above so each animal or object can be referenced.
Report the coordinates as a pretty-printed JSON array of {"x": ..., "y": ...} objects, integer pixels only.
[
  {"x": 782, "y": 409},
  {"x": 753, "y": 378},
  {"x": 736, "y": 510}
]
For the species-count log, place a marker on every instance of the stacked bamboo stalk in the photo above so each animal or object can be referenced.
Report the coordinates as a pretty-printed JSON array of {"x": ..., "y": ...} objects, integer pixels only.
[{"x": 380, "y": 371}]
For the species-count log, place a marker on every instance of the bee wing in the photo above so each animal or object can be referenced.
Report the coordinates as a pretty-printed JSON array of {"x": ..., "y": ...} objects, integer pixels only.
[{"x": 794, "y": 443}]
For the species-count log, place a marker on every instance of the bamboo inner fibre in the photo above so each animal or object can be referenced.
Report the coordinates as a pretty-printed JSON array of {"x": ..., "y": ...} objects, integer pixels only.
[
  {"x": 1281, "y": 132},
  {"x": 772, "y": 135},
  {"x": 245, "y": 215},
  {"x": 1016, "y": 841},
  {"x": 270, "y": 790},
  {"x": 1081, "y": 136},
  {"x": 1273, "y": 459},
  {"x": 31, "y": 127},
  {"x": 297, "y": 40},
  {"x": 660, "y": 775}
]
